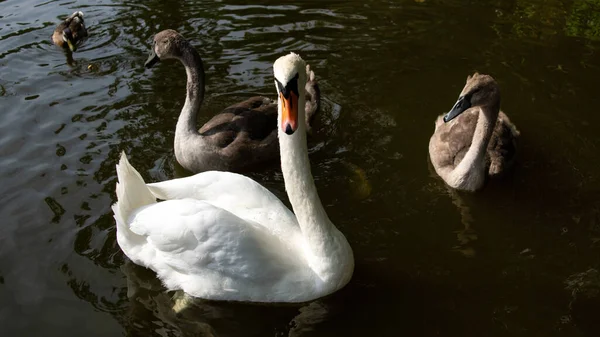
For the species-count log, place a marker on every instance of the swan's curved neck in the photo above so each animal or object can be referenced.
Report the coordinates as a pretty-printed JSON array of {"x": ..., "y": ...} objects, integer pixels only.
[
  {"x": 302, "y": 192},
  {"x": 473, "y": 161},
  {"x": 186, "y": 124}
]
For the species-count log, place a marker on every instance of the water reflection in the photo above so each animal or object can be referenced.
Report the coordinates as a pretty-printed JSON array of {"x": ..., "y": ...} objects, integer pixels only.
[
  {"x": 175, "y": 311},
  {"x": 466, "y": 235},
  {"x": 585, "y": 299}
]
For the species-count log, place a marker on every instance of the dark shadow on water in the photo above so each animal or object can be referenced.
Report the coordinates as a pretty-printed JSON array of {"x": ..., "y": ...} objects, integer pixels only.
[
  {"x": 196, "y": 317},
  {"x": 416, "y": 308}
]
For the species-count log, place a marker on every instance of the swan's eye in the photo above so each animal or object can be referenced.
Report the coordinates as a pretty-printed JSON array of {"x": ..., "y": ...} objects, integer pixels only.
[
  {"x": 291, "y": 86},
  {"x": 473, "y": 92},
  {"x": 280, "y": 86}
]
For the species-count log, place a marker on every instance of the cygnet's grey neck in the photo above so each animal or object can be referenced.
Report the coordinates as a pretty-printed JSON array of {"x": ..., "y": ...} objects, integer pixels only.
[
  {"x": 483, "y": 130},
  {"x": 186, "y": 125},
  {"x": 471, "y": 169}
]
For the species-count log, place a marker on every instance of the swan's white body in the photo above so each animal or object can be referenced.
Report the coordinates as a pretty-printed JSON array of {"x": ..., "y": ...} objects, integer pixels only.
[{"x": 222, "y": 236}]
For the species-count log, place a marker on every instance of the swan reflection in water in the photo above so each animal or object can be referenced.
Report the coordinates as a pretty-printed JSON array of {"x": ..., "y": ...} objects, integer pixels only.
[{"x": 197, "y": 317}]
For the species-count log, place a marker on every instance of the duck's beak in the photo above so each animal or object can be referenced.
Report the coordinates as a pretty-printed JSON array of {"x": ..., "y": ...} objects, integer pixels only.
[
  {"x": 459, "y": 107},
  {"x": 289, "y": 112},
  {"x": 71, "y": 45},
  {"x": 152, "y": 59}
]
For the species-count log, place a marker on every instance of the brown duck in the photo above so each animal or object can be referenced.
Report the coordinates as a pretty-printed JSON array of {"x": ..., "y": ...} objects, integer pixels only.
[
  {"x": 70, "y": 32},
  {"x": 241, "y": 137},
  {"x": 475, "y": 139}
]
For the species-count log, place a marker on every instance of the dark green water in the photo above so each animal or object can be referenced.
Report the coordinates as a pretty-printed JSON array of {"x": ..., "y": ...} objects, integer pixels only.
[{"x": 428, "y": 262}]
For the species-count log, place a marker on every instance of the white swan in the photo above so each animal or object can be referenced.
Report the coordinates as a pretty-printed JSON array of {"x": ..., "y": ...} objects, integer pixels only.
[{"x": 222, "y": 236}]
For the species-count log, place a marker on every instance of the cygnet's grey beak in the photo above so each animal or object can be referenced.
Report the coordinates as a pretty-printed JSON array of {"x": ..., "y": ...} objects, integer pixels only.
[
  {"x": 459, "y": 107},
  {"x": 152, "y": 59}
]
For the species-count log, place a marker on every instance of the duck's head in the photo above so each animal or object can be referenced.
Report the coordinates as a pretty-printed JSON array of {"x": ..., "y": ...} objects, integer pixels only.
[
  {"x": 166, "y": 44},
  {"x": 290, "y": 79},
  {"x": 480, "y": 90},
  {"x": 67, "y": 36}
]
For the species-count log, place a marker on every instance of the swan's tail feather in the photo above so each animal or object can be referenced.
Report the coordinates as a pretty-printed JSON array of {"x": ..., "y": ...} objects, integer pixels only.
[
  {"x": 132, "y": 192},
  {"x": 313, "y": 96}
]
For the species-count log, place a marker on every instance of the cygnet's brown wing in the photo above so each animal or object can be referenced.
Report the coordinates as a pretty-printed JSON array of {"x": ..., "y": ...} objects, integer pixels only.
[
  {"x": 502, "y": 149},
  {"x": 450, "y": 141},
  {"x": 252, "y": 121}
]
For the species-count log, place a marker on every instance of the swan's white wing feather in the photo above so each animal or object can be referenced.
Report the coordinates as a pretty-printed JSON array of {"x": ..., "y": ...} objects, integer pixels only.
[
  {"x": 192, "y": 243},
  {"x": 215, "y": 185},
  {"x": 233, "y": 192}
]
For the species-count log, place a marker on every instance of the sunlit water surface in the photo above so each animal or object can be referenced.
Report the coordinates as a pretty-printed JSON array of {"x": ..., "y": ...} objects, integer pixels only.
[{"x": 513, "y": 260}]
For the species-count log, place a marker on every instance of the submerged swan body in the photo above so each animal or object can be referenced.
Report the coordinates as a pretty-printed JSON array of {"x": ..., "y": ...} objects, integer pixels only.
[
  {"x": 222, "y": 236},
  {"x": 239, "y": 138},
  {"x": 70, "y": 31},
  {"x": 475, "y": 139}
]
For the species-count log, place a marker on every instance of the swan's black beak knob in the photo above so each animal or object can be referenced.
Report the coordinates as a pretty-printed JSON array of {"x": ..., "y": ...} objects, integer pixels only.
[{"x": 289, "y": 130}]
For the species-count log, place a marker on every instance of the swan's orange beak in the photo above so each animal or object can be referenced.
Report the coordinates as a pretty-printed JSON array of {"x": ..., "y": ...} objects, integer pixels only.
[{"x": 289, "y": 112}]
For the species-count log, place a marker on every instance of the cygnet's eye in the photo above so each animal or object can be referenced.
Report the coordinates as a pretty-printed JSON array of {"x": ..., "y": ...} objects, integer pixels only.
[{"x": 474, "y": 91}]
